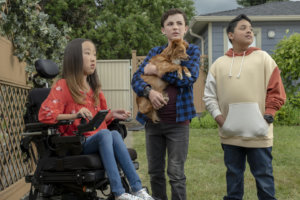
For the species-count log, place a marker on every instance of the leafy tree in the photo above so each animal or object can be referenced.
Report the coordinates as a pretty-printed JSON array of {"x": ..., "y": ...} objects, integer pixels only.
[
  {"x": 30, "y": 32},
  {"x": 247, "y": 3},
  {"x": 80, "y": 15},
  {"x": 116, "y": 26},
  {"x": 287, "y": 57}
]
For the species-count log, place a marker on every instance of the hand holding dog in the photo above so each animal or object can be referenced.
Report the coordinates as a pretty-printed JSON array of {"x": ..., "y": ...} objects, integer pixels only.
[
  {"x": 157, "y": 99},
  {"x": 167, "y": 61}
]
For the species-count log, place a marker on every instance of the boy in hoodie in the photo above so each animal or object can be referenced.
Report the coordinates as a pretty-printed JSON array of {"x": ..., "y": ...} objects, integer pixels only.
[{"x": 242, "y": 92}]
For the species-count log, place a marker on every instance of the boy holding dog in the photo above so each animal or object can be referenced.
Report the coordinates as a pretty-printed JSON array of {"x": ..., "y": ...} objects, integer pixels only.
[
  {"x": 171, "y": 134},
  {"x": 243, "y": 91}
]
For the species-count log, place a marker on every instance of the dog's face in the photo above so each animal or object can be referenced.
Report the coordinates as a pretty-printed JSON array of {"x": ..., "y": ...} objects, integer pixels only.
[{"x": 177, "y": 50}]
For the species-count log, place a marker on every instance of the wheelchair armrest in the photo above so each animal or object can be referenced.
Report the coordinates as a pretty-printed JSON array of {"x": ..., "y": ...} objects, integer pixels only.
[{"x": 38, "y": 126}]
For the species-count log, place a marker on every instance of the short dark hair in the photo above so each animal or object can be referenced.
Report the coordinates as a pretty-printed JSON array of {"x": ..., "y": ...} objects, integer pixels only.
[
  {"x": 172, "y": 11},
  {"x": 232, "y": 24}
]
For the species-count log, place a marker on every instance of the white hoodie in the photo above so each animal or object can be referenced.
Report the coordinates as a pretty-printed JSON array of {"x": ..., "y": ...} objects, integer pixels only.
[{"x": 243, "y": 87}]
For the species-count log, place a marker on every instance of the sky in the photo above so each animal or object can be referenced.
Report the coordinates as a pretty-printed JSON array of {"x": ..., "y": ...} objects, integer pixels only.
[{"x": 211, "y": 6}]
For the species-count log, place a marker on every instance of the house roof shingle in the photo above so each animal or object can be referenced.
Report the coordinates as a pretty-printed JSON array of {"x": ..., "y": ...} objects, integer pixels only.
[{"x": 271, "y": 8}]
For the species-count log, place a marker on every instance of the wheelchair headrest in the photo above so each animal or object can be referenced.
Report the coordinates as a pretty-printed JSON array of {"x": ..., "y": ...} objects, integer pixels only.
[{"x": 46, "y": 68}]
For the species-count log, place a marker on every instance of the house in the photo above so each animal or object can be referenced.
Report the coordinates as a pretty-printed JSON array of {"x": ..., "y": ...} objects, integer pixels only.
[{"x": 271, "y": 22}]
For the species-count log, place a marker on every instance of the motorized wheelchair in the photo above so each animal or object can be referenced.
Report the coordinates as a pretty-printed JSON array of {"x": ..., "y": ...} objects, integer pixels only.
[{"x": 62, "y": 172}]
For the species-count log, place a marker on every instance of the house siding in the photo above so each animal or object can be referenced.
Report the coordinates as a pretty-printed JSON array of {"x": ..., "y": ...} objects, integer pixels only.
[
  {"x": 218, "y": 40},
  {"x": 269, "y": 44}
]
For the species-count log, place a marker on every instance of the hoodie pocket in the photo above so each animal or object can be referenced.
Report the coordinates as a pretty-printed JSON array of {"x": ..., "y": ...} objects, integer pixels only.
[{"x": 246, "y": 120}]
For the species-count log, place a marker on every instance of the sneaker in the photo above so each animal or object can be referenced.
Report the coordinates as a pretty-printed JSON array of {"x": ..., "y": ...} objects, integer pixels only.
[
  {"x": 126, "y": 196},
  {"x": 143, "y": 194}
]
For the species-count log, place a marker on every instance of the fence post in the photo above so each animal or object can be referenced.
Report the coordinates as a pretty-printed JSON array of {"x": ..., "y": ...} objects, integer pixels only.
[{"x": 134, "y": 68}]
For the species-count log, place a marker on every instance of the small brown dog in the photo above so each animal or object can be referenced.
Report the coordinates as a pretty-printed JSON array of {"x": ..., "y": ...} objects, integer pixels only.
[{"x": 167, "y": 61}]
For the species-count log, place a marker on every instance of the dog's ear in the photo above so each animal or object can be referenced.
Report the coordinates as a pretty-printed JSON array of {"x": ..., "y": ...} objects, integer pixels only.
[{"x": 167, "y": 51}]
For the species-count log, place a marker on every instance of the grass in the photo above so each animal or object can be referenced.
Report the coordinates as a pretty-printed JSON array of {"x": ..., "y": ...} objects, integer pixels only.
[{"x": 205, "y": 170}]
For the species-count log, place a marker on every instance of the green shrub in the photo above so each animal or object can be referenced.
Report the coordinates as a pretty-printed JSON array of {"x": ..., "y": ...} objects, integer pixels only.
[
  {"x": 33, "y": 37},
  {"x": 289, "y": 114},
  {"x": 287, "y": 57},
  {"x": 205, "y": 120},
  {"x": 295, "y": 100}
]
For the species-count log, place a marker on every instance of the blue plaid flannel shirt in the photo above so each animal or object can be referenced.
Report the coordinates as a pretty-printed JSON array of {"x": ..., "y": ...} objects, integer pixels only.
[{"x": 185, "y": 109}]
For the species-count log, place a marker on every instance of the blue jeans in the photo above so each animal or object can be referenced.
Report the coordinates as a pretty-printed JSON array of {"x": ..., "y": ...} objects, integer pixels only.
[
  {"x": 111, "y": 148},
  {"x": 173, "y": 139},
  {"x": 260, "y": 162}
]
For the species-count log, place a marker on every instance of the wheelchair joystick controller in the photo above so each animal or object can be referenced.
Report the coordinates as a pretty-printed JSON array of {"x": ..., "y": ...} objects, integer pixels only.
[
  {"x": 93, "y": 124},
  {"x": 82, "y": 120}
]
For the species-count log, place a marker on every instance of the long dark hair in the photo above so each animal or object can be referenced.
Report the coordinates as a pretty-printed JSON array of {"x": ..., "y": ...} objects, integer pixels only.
[{"x": 73, "y": 72}]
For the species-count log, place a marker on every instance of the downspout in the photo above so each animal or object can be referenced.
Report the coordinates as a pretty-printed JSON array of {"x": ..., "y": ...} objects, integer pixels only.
[{"x": 199, "y": 37}]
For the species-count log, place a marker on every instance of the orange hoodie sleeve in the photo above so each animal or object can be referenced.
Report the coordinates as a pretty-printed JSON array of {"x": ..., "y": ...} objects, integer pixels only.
[{"x": 275, "y": 93}]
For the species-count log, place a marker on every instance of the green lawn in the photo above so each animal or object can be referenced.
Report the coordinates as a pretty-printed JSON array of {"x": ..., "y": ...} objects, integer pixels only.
[{"x": 205, "y": 170}]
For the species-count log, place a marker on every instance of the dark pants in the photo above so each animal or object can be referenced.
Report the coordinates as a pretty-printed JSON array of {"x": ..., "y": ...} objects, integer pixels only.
[
  {"x": 173, "y": 139},
  {"x": 260, "y": 162}
]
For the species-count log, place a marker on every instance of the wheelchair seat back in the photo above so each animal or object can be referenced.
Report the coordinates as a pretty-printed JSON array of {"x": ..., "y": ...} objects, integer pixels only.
[
  {"x": 34, "y": 101},
  {"x": 45, "y": 69}
]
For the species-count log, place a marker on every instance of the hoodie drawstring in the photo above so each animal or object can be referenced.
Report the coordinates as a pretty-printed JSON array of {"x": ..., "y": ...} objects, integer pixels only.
[
  {"x": 241, "y": 66},
  {"x": 230, "y": 75}
]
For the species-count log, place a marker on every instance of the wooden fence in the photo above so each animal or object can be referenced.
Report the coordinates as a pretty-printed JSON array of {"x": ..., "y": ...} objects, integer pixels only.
[
  {"x": 115, "y": 79},
  {"x": 13, "y": 93}
]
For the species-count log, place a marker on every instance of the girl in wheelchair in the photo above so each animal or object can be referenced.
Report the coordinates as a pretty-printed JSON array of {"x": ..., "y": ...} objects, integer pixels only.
[{"x": 78, "y": 94}]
